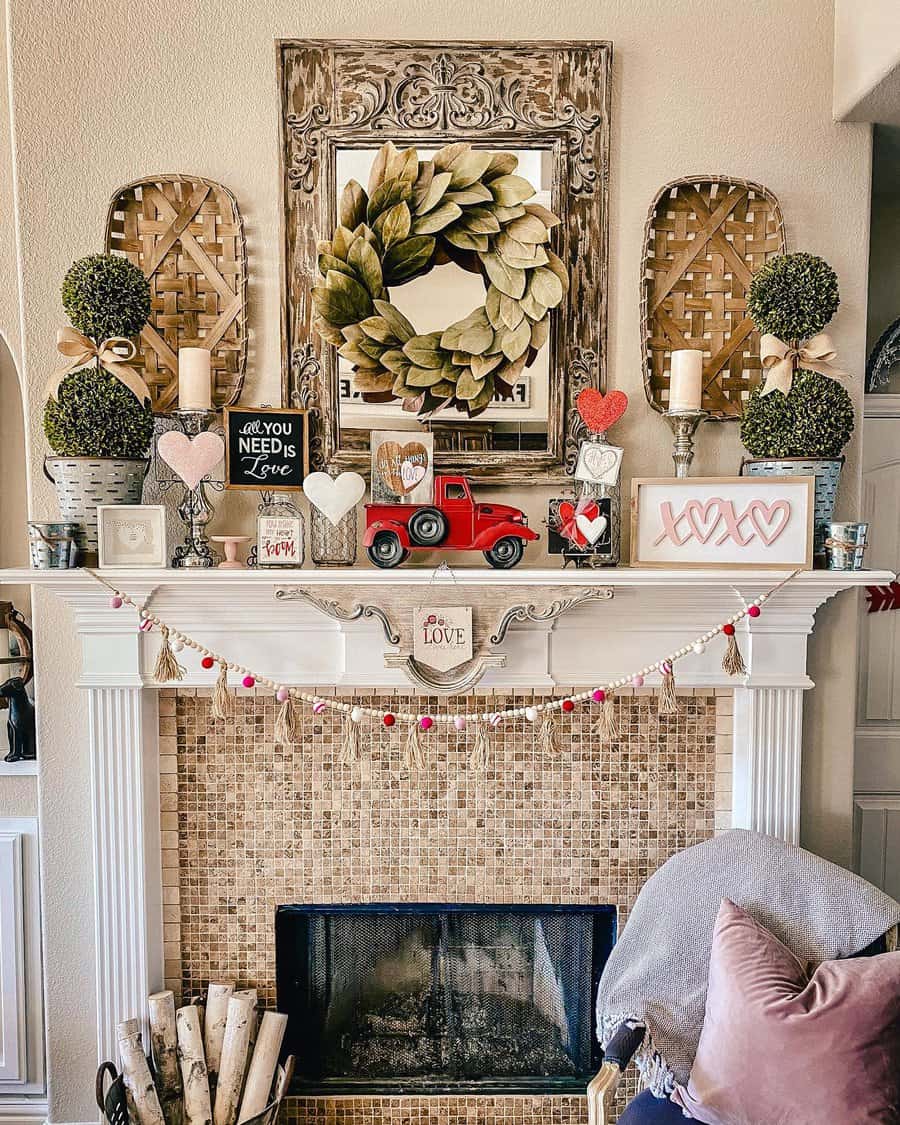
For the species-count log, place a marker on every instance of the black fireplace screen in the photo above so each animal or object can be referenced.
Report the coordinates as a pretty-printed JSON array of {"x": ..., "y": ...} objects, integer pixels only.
[{"x": 441, "y": 999}]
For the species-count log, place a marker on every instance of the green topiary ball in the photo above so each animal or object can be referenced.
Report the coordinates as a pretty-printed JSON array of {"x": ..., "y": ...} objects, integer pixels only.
[
  {"x": 815, "y": 419},
  {"x": 106, "y": 295},
  {"x": 793, "y": 296},
  {"x": 94, "y": 415}
]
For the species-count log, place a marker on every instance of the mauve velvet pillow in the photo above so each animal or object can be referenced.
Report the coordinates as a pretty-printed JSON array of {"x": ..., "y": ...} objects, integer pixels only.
[{"x": 781, "y": 1048}]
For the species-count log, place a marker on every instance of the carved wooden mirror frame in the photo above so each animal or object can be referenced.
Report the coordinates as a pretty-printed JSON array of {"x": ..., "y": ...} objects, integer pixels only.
[{"x": 536, "y": 95}]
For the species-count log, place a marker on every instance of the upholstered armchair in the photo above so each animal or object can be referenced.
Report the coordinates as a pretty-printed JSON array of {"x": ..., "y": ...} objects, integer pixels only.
[{"x": 646, "y": 1109}]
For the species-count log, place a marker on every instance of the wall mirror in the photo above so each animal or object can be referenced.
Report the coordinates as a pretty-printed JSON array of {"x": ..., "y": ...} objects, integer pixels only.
[{"x": 476, "y": 210}]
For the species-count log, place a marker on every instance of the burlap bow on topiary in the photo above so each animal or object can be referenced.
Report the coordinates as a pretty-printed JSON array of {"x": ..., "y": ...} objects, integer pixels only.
[
  {"x": 781, "y": 360},
  {"x": 79, "y": 350}
]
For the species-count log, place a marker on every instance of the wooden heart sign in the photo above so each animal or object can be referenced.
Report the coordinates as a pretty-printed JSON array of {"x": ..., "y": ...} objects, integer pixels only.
[
  {"x": 599, "y": 411},
  {"x": 402, "y": 467}
]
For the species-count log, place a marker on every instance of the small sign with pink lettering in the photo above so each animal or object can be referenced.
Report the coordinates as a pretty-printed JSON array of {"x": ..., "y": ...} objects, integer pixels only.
[
  {"x": 722, "y": 521},
  {"x": 442, "y": 636}
]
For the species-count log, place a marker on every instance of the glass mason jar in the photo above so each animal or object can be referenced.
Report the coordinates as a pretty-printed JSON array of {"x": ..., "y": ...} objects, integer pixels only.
[
  {"x": 332, "y": 544},
  {"x": 279, "y": 533}
]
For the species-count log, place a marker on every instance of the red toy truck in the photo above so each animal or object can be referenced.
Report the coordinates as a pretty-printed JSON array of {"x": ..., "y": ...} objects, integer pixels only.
[{"x": 453, "y": 521}]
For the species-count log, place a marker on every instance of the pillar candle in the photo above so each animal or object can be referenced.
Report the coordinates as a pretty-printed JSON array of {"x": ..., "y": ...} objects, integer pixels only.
[
  {"x": 686, "y": 380},
  {"x": 194, "y": 379}
]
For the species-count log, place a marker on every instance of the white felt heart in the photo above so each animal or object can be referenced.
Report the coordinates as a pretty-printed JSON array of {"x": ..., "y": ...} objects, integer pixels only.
[
  {"x": 591, "y": 529},
  {"x": 190, "y": 459},
  {"x": 334, "y": 497}
]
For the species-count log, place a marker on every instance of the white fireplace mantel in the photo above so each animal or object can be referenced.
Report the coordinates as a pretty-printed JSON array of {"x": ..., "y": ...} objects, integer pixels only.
[{"x": 651, "y": 613}]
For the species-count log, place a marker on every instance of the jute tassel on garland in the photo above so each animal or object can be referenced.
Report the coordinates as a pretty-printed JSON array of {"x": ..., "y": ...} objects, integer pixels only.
[
  {"x": 349, "y": 741},
  {"x": 167, "y": 667},
  {"x": 221, "y": 700},
  {"x": 286, "y": 722},
  {"x": 732, "y": 661},
  {"x": 414, "y": 757},
  {"x": 607, "y": 726},
  {"x": 481, "y": 750},
  {"x": 668, "y": 700},
  {"x": 547, "y": 734}
]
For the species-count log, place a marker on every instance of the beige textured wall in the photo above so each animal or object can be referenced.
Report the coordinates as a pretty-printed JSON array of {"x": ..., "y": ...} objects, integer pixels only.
[{"x": 105, "y": 91}]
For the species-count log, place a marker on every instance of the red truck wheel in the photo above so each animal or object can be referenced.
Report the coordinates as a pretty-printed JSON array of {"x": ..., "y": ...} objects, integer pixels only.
[
  {"x": 428, "y": 527},
  {"x": 505, "y": 553},
  {"x": 386, "y": 550}
]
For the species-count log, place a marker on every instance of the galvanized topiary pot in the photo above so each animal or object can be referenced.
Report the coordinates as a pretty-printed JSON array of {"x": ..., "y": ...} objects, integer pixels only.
[
  {"x": 82, "y": 483},
  {"x": 826, "y": 470}
]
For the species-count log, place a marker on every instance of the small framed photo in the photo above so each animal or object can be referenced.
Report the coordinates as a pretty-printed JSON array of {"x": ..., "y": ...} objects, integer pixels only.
[
  {"x": 279, "y": 541},
  {"x": 722, "y": 521},
  {"x": 131, "y": 535}
]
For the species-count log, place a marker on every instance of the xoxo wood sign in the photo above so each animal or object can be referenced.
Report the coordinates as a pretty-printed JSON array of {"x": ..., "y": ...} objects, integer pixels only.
[{"x": 722, "y": 521}]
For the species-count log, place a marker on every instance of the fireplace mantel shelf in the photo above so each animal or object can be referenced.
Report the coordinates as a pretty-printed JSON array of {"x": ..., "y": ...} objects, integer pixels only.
[{"x": 825, "y": 582}]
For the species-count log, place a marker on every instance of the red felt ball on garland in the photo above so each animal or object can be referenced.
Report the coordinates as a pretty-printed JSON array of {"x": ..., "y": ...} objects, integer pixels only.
[
  {"x": 728, "y": 630},
  {"x": 389, "y": 720},
  {"x": 207, "y": 662},
  {"x": 754, "y": 611},
  {"x": 568, "y": 706}
]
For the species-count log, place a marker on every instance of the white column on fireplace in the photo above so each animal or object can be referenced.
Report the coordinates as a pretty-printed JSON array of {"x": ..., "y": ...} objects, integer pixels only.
[{"x": 653, "y": 612}]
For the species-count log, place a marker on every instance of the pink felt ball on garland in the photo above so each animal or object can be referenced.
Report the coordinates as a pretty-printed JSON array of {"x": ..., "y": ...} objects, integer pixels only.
[
  {"x": 248, "y": 681},
  {"x": 426, "y": 722},
  {"x": 637, "y": 681},
  {"x": 389, "y": 720},
  {"x": 754, "y": 611},
  {"x": 599, "y": 695},
  {"x": 728, "y": 630},
  {"x": 116, "y": 602},
  {"x": 282, "y": 695},
  {"x": 207, "y": 662},
  {"x": 459, "y": 722},
  {"x": 318, "y": 706},
  {"x": 568, "y": 706}
]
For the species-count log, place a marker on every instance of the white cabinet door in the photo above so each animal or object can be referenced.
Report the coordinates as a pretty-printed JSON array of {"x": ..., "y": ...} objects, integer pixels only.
[
  {"x": 877, "y": 762},
  {"x": 12, "y": 960}
]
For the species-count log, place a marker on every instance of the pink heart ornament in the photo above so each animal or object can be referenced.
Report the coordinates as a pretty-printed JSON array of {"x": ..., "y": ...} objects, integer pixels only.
[
  {"x": 764, "y": 516},
  {"x": 190, "y": 459}
]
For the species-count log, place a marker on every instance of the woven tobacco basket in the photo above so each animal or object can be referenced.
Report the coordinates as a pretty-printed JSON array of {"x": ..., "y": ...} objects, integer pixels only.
[
  {"x": 187, "y": 235},
  {"x": 704, "y": 238}
]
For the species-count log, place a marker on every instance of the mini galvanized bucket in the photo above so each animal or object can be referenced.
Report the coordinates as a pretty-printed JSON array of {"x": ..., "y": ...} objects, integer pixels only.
[
  {"x": 845, "y": 545},
  {"x": 53, "y": 546}
]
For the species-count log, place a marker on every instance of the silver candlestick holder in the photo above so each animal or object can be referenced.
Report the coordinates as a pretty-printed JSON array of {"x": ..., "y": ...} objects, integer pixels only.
[
  {"x": 195, "y": 509},
  {"x": 683, "y": 424}
]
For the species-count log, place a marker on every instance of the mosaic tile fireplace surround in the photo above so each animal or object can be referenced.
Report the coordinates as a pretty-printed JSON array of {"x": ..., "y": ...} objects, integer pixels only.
[{"x": 248, "y": 826}]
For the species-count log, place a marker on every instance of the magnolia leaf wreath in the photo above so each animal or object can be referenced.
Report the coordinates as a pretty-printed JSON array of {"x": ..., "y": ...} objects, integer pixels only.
[{"x": 463, "y": 206}]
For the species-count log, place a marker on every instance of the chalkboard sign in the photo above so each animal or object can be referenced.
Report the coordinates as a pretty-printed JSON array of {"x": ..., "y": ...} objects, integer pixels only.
[{"x": 266, "y": 448}]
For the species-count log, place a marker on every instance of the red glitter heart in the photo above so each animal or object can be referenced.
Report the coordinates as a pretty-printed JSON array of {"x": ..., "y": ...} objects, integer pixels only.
[{"x": 599, "y": 412}]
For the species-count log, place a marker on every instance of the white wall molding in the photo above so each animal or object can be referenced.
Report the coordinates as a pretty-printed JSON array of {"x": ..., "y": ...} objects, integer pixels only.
[{"x": 768, "y": 739}]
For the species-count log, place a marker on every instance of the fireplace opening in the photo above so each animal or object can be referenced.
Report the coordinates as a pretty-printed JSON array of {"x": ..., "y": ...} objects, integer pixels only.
[{"x": 429, "y": 999}]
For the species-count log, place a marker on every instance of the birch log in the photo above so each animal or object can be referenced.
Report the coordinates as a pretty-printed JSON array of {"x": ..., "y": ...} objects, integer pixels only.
[
  {"x": 235, "y": 1048},
  {"x": 164, "y": 1044},
  {"x": 197, "y": 1104},
  {"x": 251, "y": 994},
  {"x": 262, "y": 1067},
  {"x": 214, "y": 1028},
  {"x": 142, "y": 1097}
]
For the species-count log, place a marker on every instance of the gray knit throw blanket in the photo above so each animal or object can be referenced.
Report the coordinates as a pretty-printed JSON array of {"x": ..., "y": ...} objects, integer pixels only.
[{"x": 657, "y": 972}]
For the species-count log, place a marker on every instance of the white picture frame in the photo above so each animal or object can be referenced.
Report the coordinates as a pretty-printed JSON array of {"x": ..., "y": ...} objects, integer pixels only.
[
  {"x": 712, "y": 522},
  {"x": 131, "y": 536}
]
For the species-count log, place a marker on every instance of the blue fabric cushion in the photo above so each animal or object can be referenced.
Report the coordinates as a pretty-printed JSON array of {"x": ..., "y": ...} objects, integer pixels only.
[{"x": 647, "y": 1110}]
